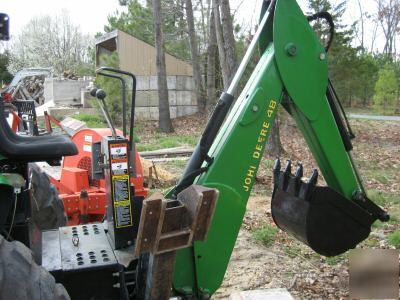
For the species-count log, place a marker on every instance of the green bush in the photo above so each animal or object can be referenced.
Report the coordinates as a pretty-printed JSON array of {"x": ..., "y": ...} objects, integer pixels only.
[{"x": 386, "y": 89}]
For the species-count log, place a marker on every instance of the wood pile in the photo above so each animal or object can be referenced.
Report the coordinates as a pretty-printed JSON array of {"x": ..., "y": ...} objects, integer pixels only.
[
  {"x": 69, "y": 74},
  {"x": 30, "y": 88}
]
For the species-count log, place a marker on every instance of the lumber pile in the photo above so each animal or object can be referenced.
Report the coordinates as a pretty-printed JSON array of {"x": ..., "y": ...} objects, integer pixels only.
[{"x": 170, "y": 152}]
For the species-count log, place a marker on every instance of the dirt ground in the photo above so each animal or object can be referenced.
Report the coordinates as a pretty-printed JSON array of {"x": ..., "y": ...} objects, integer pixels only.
[{"x": 287, "y": 263}]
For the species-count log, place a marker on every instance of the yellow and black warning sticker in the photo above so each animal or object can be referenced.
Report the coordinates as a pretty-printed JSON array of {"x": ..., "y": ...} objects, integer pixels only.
[{"x": 122, "y": 201}]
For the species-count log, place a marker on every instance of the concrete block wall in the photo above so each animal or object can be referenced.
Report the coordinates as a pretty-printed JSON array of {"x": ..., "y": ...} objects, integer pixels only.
[
  {"x": 64, "y": 92},
  {"x": 181, "y": 97}
]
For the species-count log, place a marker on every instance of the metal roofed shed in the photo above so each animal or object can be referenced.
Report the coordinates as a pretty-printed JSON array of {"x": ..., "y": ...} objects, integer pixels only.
[{"x": 139, "y": 58}]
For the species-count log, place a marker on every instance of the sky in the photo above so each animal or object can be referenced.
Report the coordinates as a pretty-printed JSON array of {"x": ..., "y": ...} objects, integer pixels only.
[{"x": 91, "y": 15}]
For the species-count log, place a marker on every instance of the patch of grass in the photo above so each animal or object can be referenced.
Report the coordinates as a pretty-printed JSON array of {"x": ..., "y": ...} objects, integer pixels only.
[
  {"x": 378, "y": 224},
  {"x": 394, "y": 219},
  {"x": 92, "y": 121},
  {"x": 382, "y": 178},
  {"x": 334, "y": 260},
  {"x": 382, "y": 198},
  {"x": 359, "y": 110},
  {"x": 266, "y": 235},
  {"x": 162, "y": 142},
  {"x": 394, "y": 213},
  {"x": 179, "y": 163},
  {"x": 370, "y": 111},
  {"x": 372, "y": 171},
  {"x": 371, "y": 242},
  {"x": 174, "y": 166},
  {"x": 293, "y": 250},
  {"x": 394, "y": 239}
]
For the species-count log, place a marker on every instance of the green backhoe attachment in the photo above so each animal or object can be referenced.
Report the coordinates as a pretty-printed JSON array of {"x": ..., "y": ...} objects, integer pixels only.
[{"x": 292, "y": 71}]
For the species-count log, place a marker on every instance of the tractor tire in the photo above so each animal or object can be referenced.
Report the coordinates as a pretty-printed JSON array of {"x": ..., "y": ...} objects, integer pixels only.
[
  {"x": 47, "y": 207},
  {"x": 22, "y": 278}
]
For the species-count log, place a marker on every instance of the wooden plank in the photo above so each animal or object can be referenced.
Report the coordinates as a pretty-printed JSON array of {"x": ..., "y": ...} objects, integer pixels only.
[
  {"x": 150, "y": 225},
  {"x": 173, "y": 241},
  {"x": 167, "y": 152},
  {"x": 160, "y": 275},
  {"x": 200, "y": 202},
  {"x": 175, "y": 219}
]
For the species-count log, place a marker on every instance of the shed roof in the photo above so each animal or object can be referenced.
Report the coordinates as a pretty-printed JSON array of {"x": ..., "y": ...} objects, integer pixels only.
[{"x": 138, "y": 56}]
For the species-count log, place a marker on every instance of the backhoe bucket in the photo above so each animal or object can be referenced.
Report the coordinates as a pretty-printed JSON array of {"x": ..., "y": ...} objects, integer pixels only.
[{"x": 318, "y": 216}]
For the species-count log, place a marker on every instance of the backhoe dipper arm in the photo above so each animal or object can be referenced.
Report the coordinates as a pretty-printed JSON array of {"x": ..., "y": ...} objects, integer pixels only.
[{"x": 294, "y": 63}]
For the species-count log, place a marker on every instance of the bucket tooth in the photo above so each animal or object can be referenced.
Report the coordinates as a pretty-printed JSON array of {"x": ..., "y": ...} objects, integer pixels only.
[
  {"x": 313, "y": 178},
  {"x": 277, "y": 170},
  {"x": 294, "y": 181},
  {"x": 299, "y": 171},
  {"x": 288, "y": 167},
  {"x": 284, "y": 176}
]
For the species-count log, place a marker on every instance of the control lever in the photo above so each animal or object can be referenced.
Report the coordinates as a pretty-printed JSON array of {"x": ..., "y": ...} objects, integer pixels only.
[{"x": 100, "y": 96}]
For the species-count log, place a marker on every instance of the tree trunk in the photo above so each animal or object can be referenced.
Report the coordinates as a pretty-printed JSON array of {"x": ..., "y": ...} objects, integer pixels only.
[
  {"x": 220, "y": 43},
  {"x": 211, "y": 53},
  {"x": 229, "y": 38},
  {"x": 362, "y": 25},
  {"x": 274, "y": 145},
  {"x": 199, "y": 89},
  {"x": 164, "y": 119}
]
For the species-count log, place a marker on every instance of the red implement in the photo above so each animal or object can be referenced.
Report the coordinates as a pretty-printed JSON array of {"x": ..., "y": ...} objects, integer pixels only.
[{"x": 85, "y": 198}]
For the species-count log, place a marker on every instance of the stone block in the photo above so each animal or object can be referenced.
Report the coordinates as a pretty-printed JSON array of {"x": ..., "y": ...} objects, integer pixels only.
[
  {"x": 180, "y": 83},
  {"x": 153, "y": 98},
  {"x": 171, "y": 82},
  {"x": 189, "y": 110},
  {"x": 193, "y": 98},
  {"x": 153, "y": 83},
  {"x": 183, "y": 98},
  {"x": 189, "y": 83},
  {"x": 142, "y": 113},
  {"x": 142, "y": 99},
  {"x": 86, "y": 99},
  {"x": 172, "y": 112},
  {"x": 153, "y": 113},
  {"x": 180, "y": 112},
  {"x": 142, "y": 83},
  {"x": 172, "y": 97}
]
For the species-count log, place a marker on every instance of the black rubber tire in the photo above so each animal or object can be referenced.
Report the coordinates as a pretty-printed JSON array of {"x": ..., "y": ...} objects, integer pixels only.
[
  {"x": 47, "y": 207},
  {"x": 21, "y": 278}
]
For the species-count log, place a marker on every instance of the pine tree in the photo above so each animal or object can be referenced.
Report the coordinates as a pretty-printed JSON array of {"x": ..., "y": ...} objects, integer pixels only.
[{"x": 138, "y": 21}]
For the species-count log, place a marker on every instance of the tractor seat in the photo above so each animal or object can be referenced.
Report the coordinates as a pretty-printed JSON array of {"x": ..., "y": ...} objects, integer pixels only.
[{"x": 32, "y": 148}]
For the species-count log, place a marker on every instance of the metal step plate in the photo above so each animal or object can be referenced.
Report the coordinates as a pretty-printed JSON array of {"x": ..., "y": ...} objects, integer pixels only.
[{"x": 77, "y": 247}]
